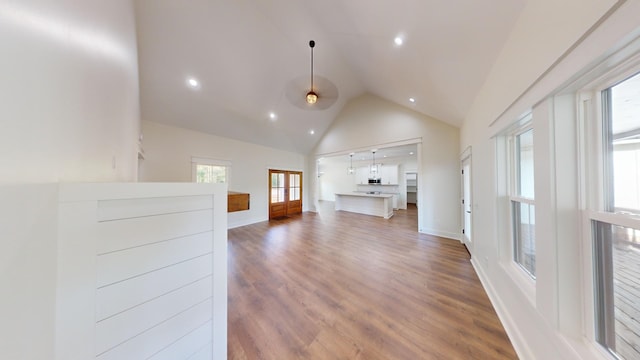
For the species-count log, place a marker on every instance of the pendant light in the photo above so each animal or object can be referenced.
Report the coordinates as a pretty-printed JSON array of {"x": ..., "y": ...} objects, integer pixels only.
[
  {"x": 374, "y": 167},
  {"x": 350, "y": 169},
  {"x": 312, "y": 97}
]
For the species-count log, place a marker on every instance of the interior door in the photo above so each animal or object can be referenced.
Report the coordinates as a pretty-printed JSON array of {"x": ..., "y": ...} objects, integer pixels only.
[
  {"x": 285, "y": 189},
  {"x": 466, "y": 202}
]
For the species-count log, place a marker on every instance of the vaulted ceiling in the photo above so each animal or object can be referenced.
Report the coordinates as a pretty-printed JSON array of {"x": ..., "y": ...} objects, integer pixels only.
[{"x": 250, "y": 56}]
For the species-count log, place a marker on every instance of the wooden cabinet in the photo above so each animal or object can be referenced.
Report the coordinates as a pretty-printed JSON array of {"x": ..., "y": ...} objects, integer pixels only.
[{"x": 237, "y": 201}]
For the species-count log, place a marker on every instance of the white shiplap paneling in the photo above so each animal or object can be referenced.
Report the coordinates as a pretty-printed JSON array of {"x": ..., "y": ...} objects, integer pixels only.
[{"x": 147, "y": 261}]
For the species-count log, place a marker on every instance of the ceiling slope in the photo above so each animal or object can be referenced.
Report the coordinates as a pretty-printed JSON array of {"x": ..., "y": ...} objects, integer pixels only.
[{"x": 245, "y": 53}]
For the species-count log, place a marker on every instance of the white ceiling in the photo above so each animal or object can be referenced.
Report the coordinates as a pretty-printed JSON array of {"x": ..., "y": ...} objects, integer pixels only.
[{"x": 246, "y": 53}]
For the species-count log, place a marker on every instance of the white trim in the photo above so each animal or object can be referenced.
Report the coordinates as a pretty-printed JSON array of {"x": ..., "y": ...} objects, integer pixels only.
[
  {"x": 626, "y": 220},
  {"x": 209, "y": 161},
  {"x": 466, "y": 153},
  {"x": 368, "y": 148},
  {"x": 522, "y": 200}
]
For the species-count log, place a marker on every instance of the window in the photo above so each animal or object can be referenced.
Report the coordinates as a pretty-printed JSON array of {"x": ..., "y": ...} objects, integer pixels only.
[
  {"x": 615, "y": 223},
  {"x": 522, "y": 201},
  {"x": 210, "y": 171},
  {"x": 211, "y": 174}
]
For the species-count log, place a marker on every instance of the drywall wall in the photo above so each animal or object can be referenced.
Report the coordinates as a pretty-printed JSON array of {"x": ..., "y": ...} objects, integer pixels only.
[
  {"x": 69, "y": 112},
  {"x": 28, "y": 271},
  {"x": 169, "y": 150},
  {"x": 545, "y": 318},
  {"x": 369, "y": 121},
  {"x": 69, "y": 90}
]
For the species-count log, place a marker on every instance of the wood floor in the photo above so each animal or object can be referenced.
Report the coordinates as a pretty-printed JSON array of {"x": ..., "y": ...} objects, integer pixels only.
[{"x": 349, "y": 286}]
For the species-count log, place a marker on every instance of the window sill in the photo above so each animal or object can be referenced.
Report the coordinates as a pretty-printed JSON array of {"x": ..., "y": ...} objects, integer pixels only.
[{"x": 525, "y": 283}]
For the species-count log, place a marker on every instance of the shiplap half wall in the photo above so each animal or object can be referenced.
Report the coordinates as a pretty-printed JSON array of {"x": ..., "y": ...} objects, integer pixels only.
[{"x": 142, "y": 272}]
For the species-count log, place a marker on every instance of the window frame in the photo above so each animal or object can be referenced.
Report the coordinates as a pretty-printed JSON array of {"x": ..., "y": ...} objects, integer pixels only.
[
  {"x": 514, "y": 191},
  {"x": 597, "y": 196}
]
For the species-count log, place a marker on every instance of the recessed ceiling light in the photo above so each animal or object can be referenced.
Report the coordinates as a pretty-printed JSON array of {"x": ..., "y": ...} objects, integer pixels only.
[
  {"x": 385, "y": 156},
  {"x": 193, "y": 83},
  {"x": 311, "y": 132},
  {"x": 398, "y": 40},
  {"x": 412, "y": 100},
  {"x": 272, "y": 116},
  {"x": 411, "y": 153}
]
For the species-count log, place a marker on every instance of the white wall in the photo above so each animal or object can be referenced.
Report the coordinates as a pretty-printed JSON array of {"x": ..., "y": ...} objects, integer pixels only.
[
  {"x": 69, "y": 90},
  {"x": 371, "y": 121},
  {"x": 547, "y": 318},
  {"x": 335, "y": 179},
  {"x": 69, "y": 107},
  {"x": 168, "y": 151},
  {"x": 27, "y": 271}
]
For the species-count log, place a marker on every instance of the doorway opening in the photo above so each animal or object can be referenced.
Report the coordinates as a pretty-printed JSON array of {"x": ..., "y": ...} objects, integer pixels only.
[
  {"x": 466, "y": 202},
  {"x": 412, "y": 188}
]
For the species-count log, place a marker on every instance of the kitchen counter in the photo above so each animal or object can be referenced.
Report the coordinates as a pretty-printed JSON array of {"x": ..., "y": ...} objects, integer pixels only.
[{"x": 364, "y": 203}]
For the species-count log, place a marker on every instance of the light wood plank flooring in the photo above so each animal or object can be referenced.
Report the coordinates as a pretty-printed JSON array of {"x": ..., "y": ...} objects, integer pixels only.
[{"x": 338, "y": 285}]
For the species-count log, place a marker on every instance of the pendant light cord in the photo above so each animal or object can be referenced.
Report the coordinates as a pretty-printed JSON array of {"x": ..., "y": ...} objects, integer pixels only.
[{"x": 312, "y": 44}]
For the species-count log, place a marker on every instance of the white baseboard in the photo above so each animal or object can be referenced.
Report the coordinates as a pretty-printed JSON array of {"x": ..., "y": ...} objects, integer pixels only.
[
  {"x": 442, "y": 234},
  {"x": 244, "y": 222}
]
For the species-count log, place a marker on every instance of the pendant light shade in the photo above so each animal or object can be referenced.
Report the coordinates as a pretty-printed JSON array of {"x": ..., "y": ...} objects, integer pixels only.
[{"x": 312, "y": 98}]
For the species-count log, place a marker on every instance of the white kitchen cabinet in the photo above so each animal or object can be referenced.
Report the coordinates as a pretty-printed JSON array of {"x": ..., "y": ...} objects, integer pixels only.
[
  {"x": 389, "y": 174},
  {"x": 362, "y": 175}
]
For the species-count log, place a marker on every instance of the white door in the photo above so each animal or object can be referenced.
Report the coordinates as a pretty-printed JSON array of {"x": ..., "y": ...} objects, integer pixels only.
[{"x": 466, "y": 202}]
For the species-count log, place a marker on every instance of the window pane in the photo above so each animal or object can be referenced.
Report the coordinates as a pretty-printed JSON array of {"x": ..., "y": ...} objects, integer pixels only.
[
  {"x": 524, "y": 143},
  {"x": 277, "y": 195},
  {"x": 211, "y": 174},
  {"x": 524, "y": 236},
  {"x": 294, "y": 194},
  {"x": 624, "y": 142},
  {"x": 617, "y": 265}
]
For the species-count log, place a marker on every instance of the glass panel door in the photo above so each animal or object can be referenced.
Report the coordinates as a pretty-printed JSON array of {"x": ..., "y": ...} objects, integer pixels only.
[{"x": 285, "y": 189}]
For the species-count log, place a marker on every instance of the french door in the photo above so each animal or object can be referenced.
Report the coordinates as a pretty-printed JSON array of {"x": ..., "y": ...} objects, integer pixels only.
[{"x": 285, "y": 193}]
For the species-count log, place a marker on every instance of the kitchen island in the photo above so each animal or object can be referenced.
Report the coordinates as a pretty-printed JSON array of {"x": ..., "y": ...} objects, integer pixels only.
[{"x": 375, "y": 204}]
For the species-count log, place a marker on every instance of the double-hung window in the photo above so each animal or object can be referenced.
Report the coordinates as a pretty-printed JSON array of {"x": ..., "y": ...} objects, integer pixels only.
[
  {"x": 615, "y": 219},
  {"x": 522, "y": 200}
]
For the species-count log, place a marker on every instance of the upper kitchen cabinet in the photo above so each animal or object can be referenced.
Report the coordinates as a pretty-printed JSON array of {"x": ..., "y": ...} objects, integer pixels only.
[
  {"x": 389, "y": 174},
  {"x": 362, "y": 175}
]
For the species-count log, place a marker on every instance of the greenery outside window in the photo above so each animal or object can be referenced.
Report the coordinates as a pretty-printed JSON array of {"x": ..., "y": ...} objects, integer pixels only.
[{"x": 210, "y": 171}]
